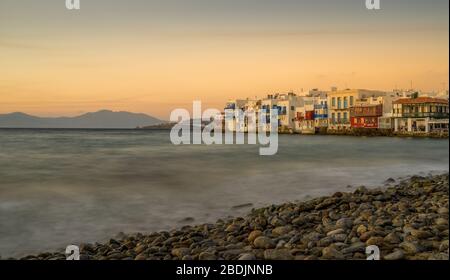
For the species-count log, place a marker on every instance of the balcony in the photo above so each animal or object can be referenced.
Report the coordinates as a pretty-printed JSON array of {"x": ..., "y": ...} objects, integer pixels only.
[
  {"x": 437, "y": 115},
  {"x": 230, "y": 106},
  {"x": 320, "y": 116},
  {"x": 341, "y": 121}
]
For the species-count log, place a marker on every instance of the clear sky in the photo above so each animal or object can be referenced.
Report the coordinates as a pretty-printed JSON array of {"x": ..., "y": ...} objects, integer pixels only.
[{"x": 154, "y": 56}]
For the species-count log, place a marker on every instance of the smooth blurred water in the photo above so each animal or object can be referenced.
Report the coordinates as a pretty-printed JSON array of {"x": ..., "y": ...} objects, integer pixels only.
[{"x": 59, "y": 187}]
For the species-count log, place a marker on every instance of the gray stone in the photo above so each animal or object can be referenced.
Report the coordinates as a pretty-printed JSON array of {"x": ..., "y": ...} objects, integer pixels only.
[
  {"x": 263, "y": 242},
  {"x": 278, "y": 254},
  {"x": 207, "y": 256},
  {"x": 180, "y": 252},
  {"x": 410, "y": 247},
  {"x": 344, "y": 223},
  {"x": 282, "y": 230},
  {"x": 330, "y": 253},
  {"x": 336, "y": 231},
  {"x": 355, "y": 247},
  {"x": 392, "y": 238},
  {"x": 396, "y": 255},
  {"x": 247, "y": 257}
]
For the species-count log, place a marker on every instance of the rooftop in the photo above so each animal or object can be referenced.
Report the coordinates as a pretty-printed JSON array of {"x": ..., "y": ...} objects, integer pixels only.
[{"x": 420, "y": 100}]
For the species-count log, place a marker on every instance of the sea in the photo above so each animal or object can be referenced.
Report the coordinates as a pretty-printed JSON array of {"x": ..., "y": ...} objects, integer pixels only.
[{"x": 61, "y": 187}]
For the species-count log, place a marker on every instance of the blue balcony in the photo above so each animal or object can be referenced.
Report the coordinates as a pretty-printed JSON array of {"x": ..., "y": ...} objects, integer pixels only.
[
  {"x": 230, "y": 106},
  {"x": 320, "y": 116}
]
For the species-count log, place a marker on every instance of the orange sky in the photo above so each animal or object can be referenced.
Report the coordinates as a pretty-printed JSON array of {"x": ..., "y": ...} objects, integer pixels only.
[{"x": 66, "y": 66}]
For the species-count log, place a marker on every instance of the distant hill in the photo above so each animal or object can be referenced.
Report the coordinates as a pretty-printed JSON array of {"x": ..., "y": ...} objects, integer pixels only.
[
  {"x": 100, "y": 119},
  {"x": 170, "y": 125}
]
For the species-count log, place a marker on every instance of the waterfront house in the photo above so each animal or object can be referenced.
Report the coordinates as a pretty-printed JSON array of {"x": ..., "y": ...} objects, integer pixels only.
[
  {"x": 420, "y": 115},
  {"x": 372, "y": 112},
  {"x": 365, "y": 115},
  {"x": 311, "y": 114},
  {"x": 230, "y": 114},
  {"x": 286, "y": 104},
  {"x": 320, "y": 112},
  {"x": 252, "y": 109},
  {"x": 266, "y": 105},
  {"x": 339, "y": 103},
  {"x": 304, "y": 118}
]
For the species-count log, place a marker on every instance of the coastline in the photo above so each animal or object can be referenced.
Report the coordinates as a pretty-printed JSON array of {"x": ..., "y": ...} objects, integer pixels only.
[
  {"x": 358, "y": 132},
  {"x": 406, "y": 220}
]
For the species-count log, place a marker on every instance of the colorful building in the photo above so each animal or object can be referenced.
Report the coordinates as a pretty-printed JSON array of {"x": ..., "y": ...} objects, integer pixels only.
[
  {"x": 304, "y": 118},
  {"x": 321, "y": 112},
  {"x": 340, "y": 102},
  {"x": 372, "y": 112},
  {"x": 365, "y": 115},
  {"x": 420, "y": 115}
]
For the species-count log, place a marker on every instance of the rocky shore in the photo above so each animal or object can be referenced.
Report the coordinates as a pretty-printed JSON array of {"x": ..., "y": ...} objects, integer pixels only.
[
  {"x": 376, "y": 132},
  {"x": 406, "y": 220}
]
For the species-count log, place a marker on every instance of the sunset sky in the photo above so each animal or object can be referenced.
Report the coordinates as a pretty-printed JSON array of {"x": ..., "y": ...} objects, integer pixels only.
[{"x": 154, "y": 56}]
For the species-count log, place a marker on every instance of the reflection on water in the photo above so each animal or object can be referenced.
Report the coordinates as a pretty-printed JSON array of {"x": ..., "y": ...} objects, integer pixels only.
[{"x": 67, "y": 186}]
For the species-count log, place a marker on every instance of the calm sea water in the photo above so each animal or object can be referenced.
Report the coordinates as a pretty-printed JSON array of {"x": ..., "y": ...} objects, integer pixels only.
[{"x": 60, "y": 187}]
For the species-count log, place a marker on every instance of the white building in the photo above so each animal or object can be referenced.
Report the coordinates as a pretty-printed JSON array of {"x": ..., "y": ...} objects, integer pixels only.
[
  {"x": 420, "y": 115},
  {"x": 230, "y": 114}
]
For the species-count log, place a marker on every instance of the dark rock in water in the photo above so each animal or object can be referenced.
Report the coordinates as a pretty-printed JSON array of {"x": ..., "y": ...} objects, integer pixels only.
[
  {"x": 187, "y": 220},
  {"x": 121, "y": 236},
  {"x": 389, "y": 181},
  {"x": 245, "y": 205}
]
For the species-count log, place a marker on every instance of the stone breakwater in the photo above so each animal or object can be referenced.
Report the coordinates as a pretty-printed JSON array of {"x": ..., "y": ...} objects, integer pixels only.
[{"x": 406, "y": 220}]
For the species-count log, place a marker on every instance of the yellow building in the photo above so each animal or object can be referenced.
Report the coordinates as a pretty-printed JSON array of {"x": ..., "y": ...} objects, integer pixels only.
[{"x": 339, "y": 103}]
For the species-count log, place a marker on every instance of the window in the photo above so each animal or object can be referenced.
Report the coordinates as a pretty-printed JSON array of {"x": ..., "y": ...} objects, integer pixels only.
[
  {"x": 339, "y": 103},
  {"x": 345, "y": 116},
  {"x": 345, "y": 102},
  {"x": 333, "y": 101},
  {"x": 333, "y": 117},
  {"x": 351, "y": 100},
  {"x": 292, "y": 108},
  {"x": 339, "y": 117}
]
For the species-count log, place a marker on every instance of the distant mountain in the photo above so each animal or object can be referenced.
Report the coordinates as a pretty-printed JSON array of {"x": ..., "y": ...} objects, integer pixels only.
[
  {"x": 100, "y": 119},
  {"x": 170, "y": 125}
]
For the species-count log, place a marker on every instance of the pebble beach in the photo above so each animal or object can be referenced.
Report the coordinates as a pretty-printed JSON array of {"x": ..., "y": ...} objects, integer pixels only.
[{"x": 406, "y": 220}]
